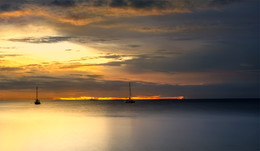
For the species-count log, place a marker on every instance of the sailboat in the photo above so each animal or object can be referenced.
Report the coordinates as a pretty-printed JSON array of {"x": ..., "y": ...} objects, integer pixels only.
[
  {"x": 37, "y": 101},
  {"x": 130, "y": 95}
]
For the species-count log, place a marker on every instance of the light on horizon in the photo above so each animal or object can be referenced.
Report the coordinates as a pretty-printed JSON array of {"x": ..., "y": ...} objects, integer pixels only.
[{"x": 119, "y": 98}]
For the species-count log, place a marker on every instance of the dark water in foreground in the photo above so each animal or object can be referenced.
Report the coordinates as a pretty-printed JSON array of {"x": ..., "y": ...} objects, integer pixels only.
[{"x": 166, "y": 125}]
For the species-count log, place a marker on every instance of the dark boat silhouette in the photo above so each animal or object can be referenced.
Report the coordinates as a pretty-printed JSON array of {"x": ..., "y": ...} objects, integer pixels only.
[
  {"x": 37, "y": 101},
  {"x": 92, "y": 99},
  {"x": 130, "y": 95}
]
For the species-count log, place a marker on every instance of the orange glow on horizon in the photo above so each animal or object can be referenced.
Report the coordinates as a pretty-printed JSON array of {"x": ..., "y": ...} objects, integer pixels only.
[{"x": 118, "y": 98}]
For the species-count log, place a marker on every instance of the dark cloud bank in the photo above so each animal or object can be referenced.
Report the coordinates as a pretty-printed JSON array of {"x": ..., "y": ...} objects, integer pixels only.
[
  {"x": 119, "y": 88},
  {"x": 40, "y": 40},
  {"x": 7, "y": 5}
]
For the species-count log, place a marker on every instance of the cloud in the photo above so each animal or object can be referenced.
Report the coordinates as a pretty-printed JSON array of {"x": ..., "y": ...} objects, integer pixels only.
[
  {"x": 149, "y": 3},
  {"x": 50, "y": 39},
  {"x": 161, "y": 28},
  {"x": 222, "y": 2},
  {"x": 79, "y": 65},
  {"x": 81, "y": 12},
  {"x": 8, "y": 7},
  {"x": 140, "y": 3},
  {"x": 60, "y": 16},
  {"x": 134, "y": 46},
  {"x": 63, "y": 3},
  {"x": 175, "y": 29},
  {"x": 115, "y": 57},
  {"x": 118, "y": 3},
  {"x": 8, "y": 47},
  {"x": 8, "y": 69},
  {"x": 94, "y": 76},
  {"x": 163, "y": 4},
  {"x": 201, "y": 60},
  {"x": 18, "y": 13},
  {"x": 9, "y": 55}
]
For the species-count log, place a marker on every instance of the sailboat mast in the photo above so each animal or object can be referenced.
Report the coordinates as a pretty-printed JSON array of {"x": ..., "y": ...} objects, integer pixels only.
[
  {"x": 36, "y": 92},
  {"x": 130, "y": 93}
]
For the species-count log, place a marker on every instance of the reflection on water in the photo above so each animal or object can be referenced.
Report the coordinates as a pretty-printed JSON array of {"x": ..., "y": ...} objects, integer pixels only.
[{"x": 115, "y": 125}]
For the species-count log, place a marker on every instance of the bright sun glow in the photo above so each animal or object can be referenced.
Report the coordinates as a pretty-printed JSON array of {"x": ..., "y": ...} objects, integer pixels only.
[{"x": 117, "y": 98}]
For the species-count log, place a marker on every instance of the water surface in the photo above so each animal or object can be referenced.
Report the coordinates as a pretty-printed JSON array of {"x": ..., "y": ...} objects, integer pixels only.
[{"x": 162, "y": 125}]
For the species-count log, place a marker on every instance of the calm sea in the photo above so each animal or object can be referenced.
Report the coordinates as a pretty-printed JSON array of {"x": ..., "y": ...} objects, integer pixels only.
[{"x": 161, "y": 125}]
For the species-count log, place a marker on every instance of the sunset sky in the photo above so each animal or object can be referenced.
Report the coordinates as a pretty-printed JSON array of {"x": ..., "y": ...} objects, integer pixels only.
[{"x": 166, "y": 48}]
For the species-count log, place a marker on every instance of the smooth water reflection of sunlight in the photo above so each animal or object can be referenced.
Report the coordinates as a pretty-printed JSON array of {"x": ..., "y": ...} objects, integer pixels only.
[
  {"x": 51, "y": 131},
  {"x": 43, "y": 128},
  {"x": 116, "y": 126}
]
